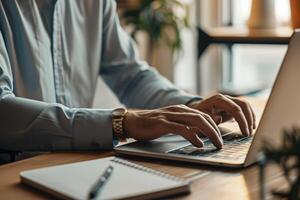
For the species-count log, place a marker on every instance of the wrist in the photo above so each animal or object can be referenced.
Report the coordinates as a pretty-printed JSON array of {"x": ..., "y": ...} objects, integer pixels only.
[
  {"x": 193, "y": 103},
  {"x": 118, "y": 116},
  {"x": 127, "y": 123}
]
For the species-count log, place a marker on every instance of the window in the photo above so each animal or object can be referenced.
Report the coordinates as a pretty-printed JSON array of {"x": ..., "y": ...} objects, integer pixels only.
[{"x": 240, "y": 68}]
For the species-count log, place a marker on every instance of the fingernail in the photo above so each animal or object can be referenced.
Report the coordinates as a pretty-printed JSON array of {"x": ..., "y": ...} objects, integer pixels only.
[
  {"x": 251, "y": 130},
  {"x": 200, "y": 144},
  {"x": 221, "y": 142},
  {"x": 248, "y": 132},
  {"x": 217, "y": 119}
]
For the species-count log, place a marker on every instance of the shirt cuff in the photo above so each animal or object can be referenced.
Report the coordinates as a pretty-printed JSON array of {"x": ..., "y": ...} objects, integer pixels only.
[
  {"x": 193, "y": 99},
  {"x": 115, "y": 142},
  {"x": 182, "y": 99},
  {"x": 92, "y": 130}
]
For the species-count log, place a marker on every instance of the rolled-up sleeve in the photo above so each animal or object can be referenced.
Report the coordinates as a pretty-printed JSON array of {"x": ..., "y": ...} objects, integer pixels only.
[
  {"x": 30, "y": 125},
  {"x": 135, "y": 83}
]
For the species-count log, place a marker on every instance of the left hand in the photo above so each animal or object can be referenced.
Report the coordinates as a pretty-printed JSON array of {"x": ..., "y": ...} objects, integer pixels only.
[{"x": 222, "y": 108}]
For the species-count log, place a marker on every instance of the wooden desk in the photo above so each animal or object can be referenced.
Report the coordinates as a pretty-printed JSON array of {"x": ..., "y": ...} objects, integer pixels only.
[
  {"x": 245, "y": 35},
  {"x": 208, "y": 182},
  {"x": 241, "y": 35}
]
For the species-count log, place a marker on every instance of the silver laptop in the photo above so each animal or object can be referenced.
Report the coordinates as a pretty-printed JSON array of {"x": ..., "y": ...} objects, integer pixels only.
[{"x": 282, "y": 111}]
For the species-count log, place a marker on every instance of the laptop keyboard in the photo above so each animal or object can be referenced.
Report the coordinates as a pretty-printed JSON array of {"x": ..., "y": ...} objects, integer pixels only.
[{"x": 235, "y": 147}]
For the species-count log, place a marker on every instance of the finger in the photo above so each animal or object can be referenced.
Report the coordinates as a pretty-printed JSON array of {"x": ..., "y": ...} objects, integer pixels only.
[
  {"x": 236, "y": 111},
  {"x": 247, "y": 112},
  {"x": 254, "y": 118},
  {"x": 181, "y": 108},
  {"x": 198, "y": 121},
  {"x": 185, "y": 109},
  {"x": 186, "y": 132},
  {"x": 212, "y": 123},
  {"x": 185, "y": 114},
  {"x": 225, "y": 116},
  {"x": 218, "y": 119}
]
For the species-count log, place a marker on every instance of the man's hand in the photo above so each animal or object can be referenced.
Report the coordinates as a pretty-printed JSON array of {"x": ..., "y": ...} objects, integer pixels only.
[
  {"x": 178, "y": 119},
  {"x": 222, "y": 108}
]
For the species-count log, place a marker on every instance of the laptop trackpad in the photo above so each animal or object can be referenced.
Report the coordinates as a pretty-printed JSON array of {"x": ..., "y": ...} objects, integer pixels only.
[{"x": 161, "y": 145}]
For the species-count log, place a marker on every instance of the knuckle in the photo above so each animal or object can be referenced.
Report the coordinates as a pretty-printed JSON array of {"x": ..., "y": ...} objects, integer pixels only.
[
  {"x": 247, "y": 107},
  {"x": 158, "y": 120},
  {"x": 183, "y": 127},
  {"x": 190, "y": 135},
  {"x": 219, "y": 96},
  {"x": 206, "y": 116},
  {"x": 182, "y": 106},
  {"x": 168, "y": 107},
  {"x": 236, "y": 109},
  {"x": 162, "y": 121},
  {"x": 176, "y": 106},
  {"x": 242, "y": 103},
  {"x": 161, "y": 117},
  {"x": 197, "y": 117}
]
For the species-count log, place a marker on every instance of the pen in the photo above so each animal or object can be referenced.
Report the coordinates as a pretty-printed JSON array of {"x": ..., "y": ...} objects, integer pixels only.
[{"x": 98, "y": 186}]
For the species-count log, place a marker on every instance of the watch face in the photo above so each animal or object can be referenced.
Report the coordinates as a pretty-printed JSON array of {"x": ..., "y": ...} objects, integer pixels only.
[{"x": 119, "y": 112}]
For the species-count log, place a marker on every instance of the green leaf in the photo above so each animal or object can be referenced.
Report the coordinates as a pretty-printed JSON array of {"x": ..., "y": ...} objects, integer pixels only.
[{"x": 155, "y": 16}]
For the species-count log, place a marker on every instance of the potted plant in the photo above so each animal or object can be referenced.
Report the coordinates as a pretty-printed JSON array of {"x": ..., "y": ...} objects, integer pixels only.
[
  {"x": 288, "y": 159},
  {"x": 162, "y": 22}
]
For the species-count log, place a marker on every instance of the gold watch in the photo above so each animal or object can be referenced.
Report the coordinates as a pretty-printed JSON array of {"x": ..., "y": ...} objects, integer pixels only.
[{"x": 117, "y": 123}]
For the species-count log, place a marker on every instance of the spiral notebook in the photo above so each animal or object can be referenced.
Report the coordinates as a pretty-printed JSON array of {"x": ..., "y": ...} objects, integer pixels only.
[{"x": 128, "y": 180}]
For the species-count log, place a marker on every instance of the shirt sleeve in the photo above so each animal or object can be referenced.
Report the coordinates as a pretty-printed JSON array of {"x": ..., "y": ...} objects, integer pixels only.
[
  {"x": 135, "y": 83},
  {"x": 30, "y": 125}
]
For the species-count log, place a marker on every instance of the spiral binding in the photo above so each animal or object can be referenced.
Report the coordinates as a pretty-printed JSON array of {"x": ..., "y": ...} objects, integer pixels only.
[{"x": 148, "y": 170}]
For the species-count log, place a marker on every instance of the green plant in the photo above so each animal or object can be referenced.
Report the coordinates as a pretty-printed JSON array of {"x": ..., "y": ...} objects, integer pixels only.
[
  {"x": 162, "y": 20},
  {"x": 288, "y": 158}
]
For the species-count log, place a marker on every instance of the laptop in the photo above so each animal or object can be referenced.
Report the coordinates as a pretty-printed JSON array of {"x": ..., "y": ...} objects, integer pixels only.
[{"x": 282, "y": 111}]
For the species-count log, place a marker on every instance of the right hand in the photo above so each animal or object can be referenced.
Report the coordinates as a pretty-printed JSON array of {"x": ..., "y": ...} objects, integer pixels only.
[{"x": 178, "y": 119}]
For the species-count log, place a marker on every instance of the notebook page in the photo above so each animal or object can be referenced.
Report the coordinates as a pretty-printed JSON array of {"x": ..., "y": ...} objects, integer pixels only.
[{"x": 75, "y": 180}]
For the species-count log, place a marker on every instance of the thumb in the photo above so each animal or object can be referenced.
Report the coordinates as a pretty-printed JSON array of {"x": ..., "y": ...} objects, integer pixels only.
[{"x": 217, "y": 119}]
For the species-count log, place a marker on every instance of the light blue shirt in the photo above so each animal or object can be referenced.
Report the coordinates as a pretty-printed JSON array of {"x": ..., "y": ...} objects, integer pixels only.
[{"x": 51, "y": 54}]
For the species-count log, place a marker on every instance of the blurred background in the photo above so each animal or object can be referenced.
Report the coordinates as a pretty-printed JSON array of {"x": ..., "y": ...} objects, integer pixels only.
[{"x": 205, "y": 46}]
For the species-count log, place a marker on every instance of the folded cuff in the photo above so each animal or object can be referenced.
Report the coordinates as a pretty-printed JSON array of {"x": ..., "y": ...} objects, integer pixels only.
[{"x": 92, "y": 130}]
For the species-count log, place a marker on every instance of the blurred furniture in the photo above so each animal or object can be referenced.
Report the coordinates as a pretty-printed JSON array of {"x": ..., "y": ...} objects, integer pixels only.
[
  {"x": 229, "y": 36},
  {"x": 295, "y": 13},
  {"x": 262, "y": 14},
  {"x": 7, "y": 156}
]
